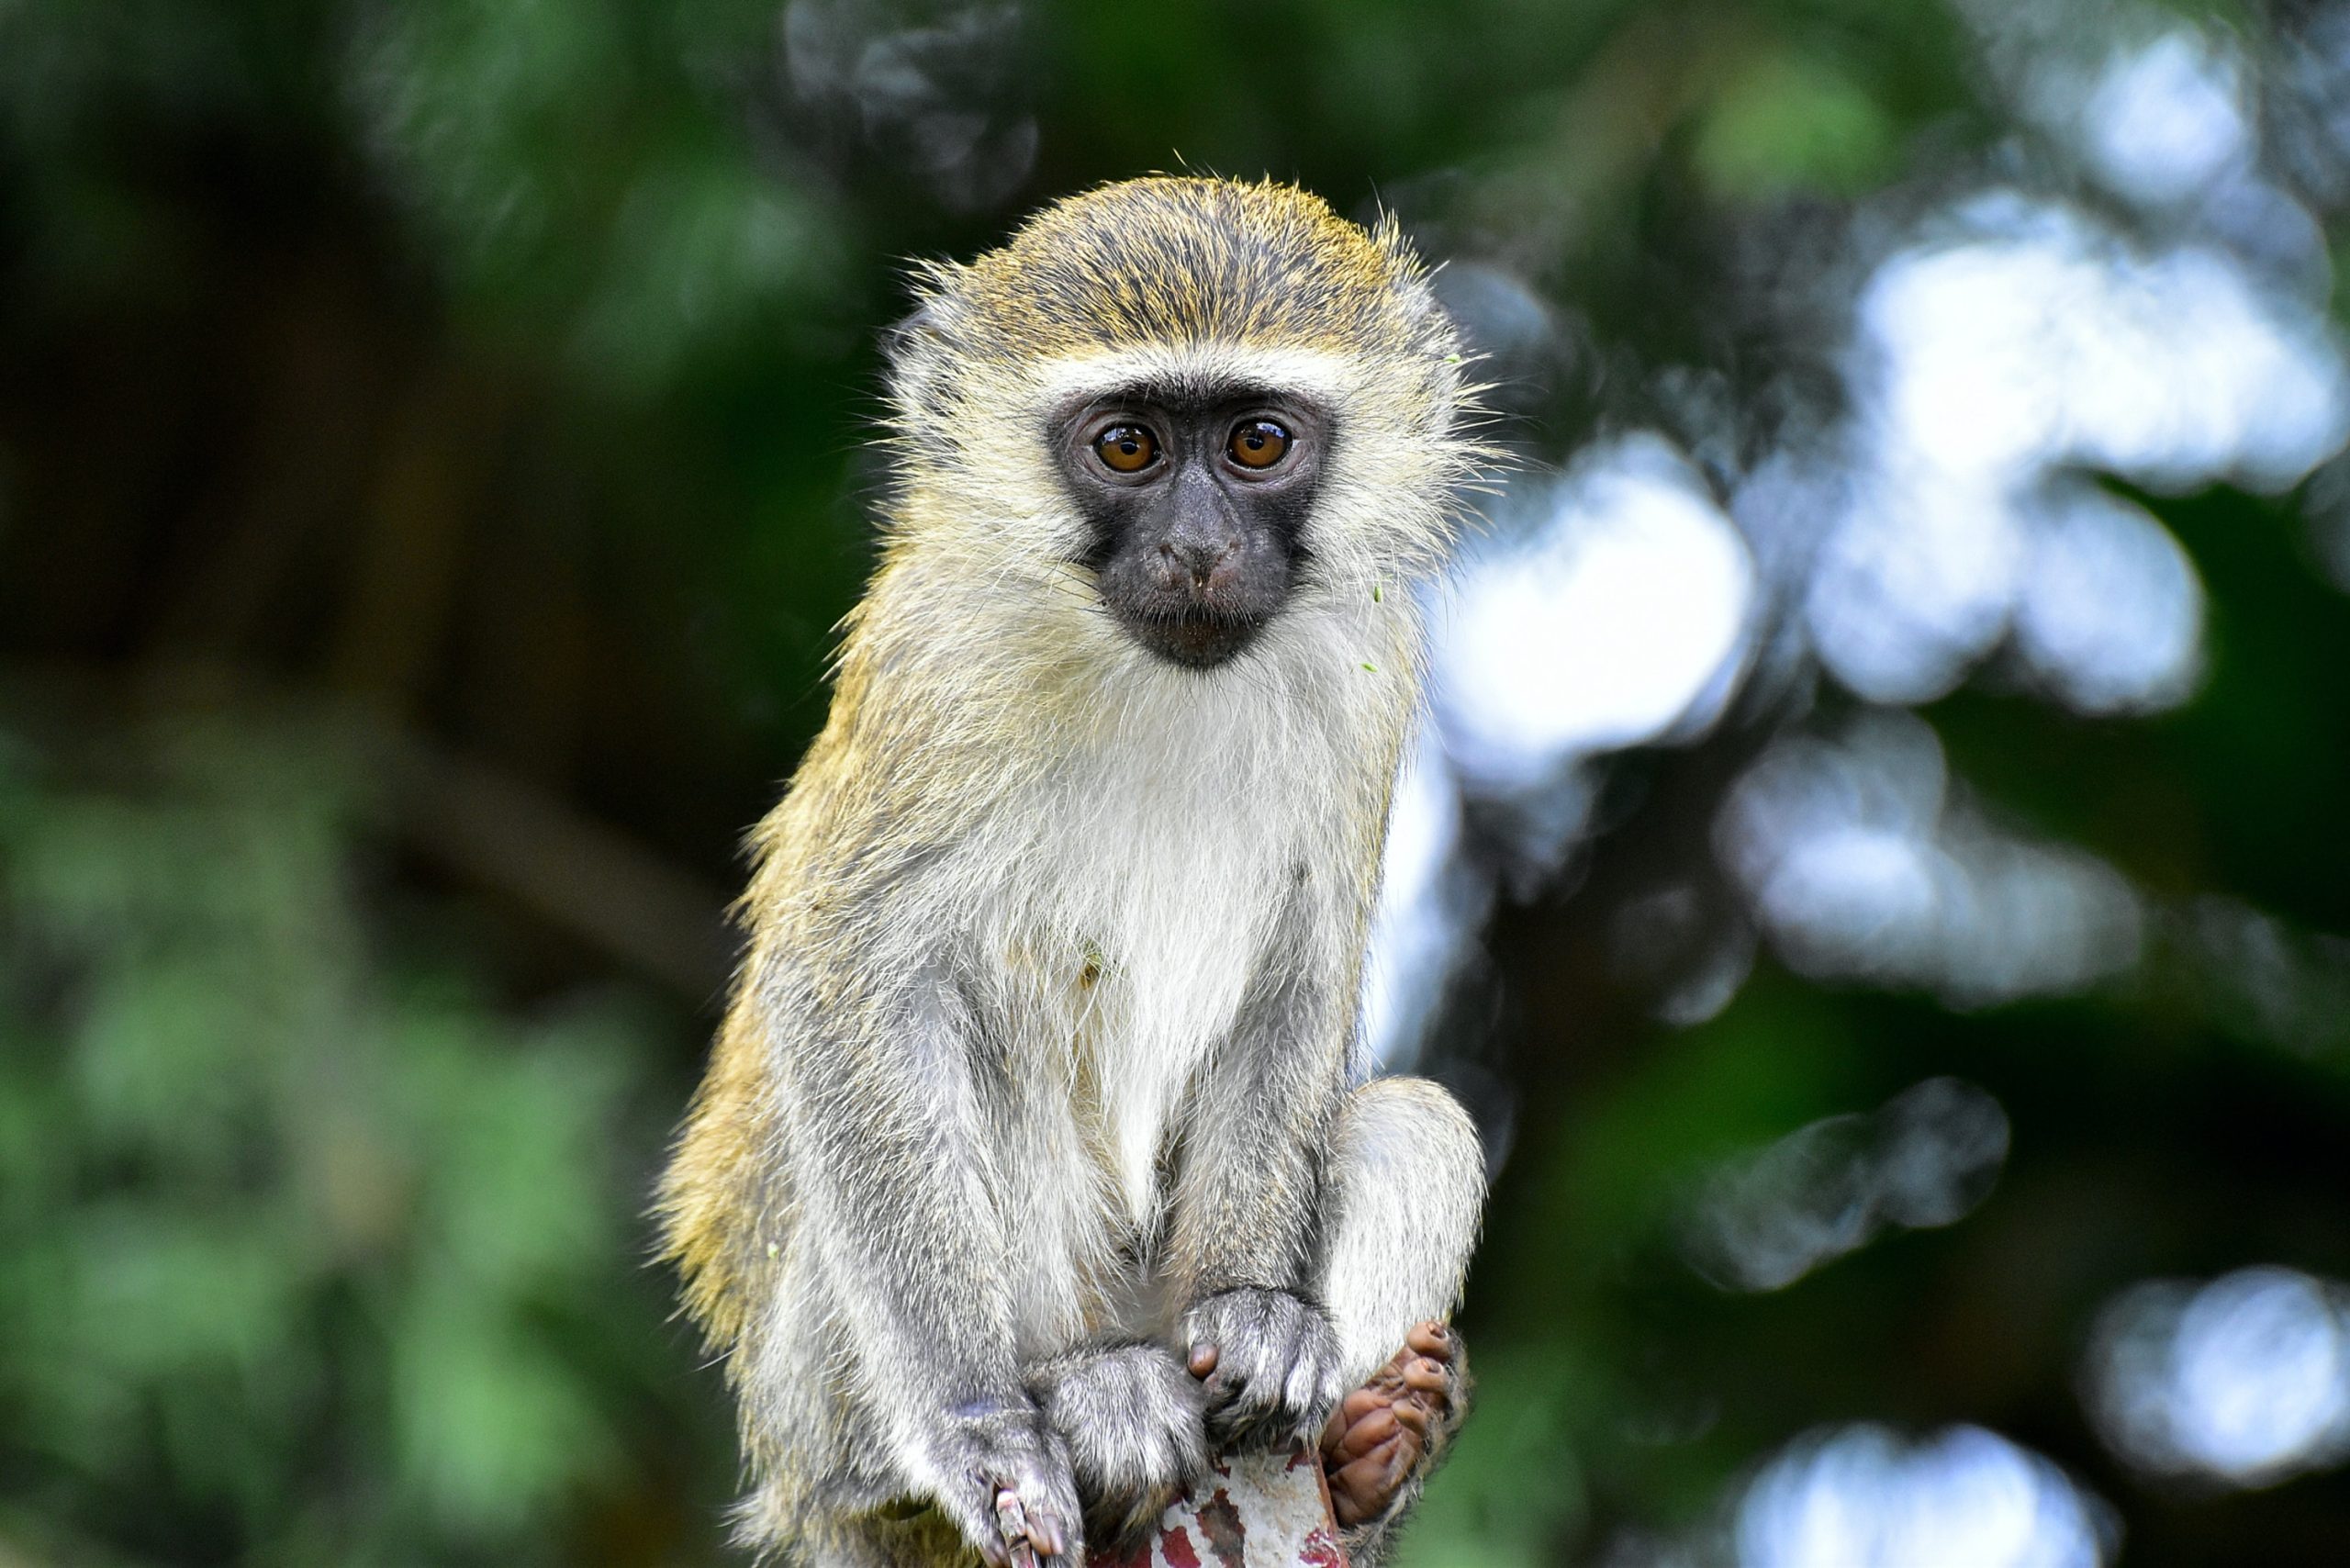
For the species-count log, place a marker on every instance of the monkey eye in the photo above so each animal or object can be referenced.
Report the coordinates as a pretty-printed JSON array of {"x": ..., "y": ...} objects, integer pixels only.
[
  {"x": 1258, "y": 443},
  {"x": 1127, "y": 449}
]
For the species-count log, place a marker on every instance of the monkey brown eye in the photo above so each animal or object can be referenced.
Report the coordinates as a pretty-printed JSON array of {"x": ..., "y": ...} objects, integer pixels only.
[
  {"x": 1127, "y": 449},
  {"x": 1258, "y": 443}
]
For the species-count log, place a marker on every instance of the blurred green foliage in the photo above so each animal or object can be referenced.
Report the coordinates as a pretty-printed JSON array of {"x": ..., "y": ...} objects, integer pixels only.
[
  {"x": 430, "y": 465},
  {"x": 312, "y": 1254}
]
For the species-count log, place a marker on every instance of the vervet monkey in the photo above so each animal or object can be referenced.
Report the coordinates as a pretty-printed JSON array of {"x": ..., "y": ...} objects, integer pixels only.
[{"x": 1037, "y": 1153}]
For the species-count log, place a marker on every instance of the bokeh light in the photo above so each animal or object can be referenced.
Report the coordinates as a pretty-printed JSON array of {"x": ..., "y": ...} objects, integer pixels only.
[
  {"x": 2164, "y": 118},
  {"x": 1859, "y": 866},
  {"x": 1922, "y": 1161},
  {"x": 1620, "y": 620},
  {"x": 1861, "y": 1497},
  {"x": 2243, "y": 1381}
]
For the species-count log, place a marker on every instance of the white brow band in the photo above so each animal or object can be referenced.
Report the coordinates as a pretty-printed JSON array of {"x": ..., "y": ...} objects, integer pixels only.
[{"x": 1324, "y": 377}]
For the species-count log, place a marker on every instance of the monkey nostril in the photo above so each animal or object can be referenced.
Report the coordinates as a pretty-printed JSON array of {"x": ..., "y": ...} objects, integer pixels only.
[
  {"x": 1171, "y": 568},
  {"x": 1223, "y": 571},
  {"x": 1200, "y": 567},
  {"x": 1215, "y": 565}
]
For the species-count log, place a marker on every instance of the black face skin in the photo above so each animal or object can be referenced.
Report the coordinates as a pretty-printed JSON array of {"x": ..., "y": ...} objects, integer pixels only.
[{"x": 1197, "y": 548}]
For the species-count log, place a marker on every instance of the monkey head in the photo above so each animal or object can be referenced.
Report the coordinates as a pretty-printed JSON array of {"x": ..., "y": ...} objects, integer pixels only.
[{"x": 1201, "y": 409}]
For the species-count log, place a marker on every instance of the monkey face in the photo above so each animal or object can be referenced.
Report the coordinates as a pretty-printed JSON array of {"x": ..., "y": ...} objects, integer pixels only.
[{"x": 1195, "y": 511}]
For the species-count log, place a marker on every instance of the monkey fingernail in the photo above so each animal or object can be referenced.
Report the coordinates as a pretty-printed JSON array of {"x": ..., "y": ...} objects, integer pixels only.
[{"x": 1204, "y": 1359}]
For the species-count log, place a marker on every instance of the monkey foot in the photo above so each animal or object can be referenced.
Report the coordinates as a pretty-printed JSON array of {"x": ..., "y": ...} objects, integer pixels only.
[{"x": 1383, "y": 1430}]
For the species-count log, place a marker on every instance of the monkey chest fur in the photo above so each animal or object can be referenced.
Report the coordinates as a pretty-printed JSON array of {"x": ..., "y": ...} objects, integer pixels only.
[{"x": 1128, "y": 940}]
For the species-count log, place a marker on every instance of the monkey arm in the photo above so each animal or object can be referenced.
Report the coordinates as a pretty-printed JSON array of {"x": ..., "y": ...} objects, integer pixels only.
[
  {"x": 1246, "y": 1192},
  {"x": 1249, "y": 1177},
  {"x": 885, "y": 1141}
]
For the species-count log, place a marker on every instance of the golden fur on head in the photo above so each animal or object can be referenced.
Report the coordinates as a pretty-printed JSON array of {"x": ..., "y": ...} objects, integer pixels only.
[{"x": 1184, "y": 262}]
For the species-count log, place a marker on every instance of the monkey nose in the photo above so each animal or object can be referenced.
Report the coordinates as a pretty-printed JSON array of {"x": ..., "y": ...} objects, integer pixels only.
[{"x": 1195, "y": 561}]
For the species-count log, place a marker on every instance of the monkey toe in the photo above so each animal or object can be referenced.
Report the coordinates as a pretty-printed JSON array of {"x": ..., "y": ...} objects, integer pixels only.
[{"x": 1382, "y": 1432}]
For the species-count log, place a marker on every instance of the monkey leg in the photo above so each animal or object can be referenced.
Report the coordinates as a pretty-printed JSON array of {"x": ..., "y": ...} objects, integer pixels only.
[
  {"x": 1403, "y": 1186},
  {"x": 1406, "y": 1183}
]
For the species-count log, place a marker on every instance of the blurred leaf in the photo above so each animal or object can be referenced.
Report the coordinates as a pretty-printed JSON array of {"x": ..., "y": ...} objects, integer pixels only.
[
  {"x": 490, "y": 1428},
  {"x": 298, "y": 1172},
  {"x": 1794, "y": 122},
  {"x": 1513, "y": 1488}
]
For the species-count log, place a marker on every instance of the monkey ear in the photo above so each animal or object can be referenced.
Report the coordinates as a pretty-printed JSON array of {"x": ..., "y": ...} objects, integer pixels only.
[
  {"x": 1431, "y": 320},
  {"x": 906, "y": 336},
  {"x": 1430, "y": 323},
  {"x": 917, "y": 346}
]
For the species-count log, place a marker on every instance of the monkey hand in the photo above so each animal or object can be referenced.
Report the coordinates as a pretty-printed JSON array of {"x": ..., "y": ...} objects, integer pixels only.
[
  {"x": 986, "y": 1449},
  {"x": 1269, "y": 1362},
  {"x": 1132, "y": 1422}
]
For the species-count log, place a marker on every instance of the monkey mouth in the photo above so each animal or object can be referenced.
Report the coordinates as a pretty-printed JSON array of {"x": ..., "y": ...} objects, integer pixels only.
[
  {"x": 1196, "y": 638},
  {"x": 1196, "y": 621}
]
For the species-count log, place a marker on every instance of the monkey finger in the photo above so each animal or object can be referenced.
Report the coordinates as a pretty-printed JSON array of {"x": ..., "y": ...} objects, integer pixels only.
[
  {"x": 1347, "y": 1420},
  {"x": 1011, "y": 1546},
  {"x": 1432, "y": 1338},
  {"x": 1352, "y": 1449},
  {"x": 1045, "y": 1543},
  {"x": 1307, "y": 1394},
  {"x": 1203, "y": 1361},
  {"x": 994, "y": 1544},
  {"x": 1371, "y": 1459},
  {"x": 1239, "y": 1419},
  {"x": 1399, "y": 1465},
  {"x": 1360, "y": 1478}
]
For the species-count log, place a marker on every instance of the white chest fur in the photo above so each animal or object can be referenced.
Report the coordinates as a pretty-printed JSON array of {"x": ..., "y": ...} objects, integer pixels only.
[{"x": 1142, "y": 911}]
